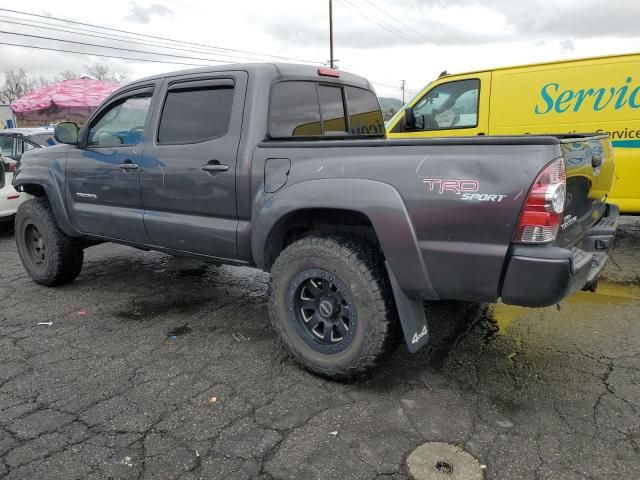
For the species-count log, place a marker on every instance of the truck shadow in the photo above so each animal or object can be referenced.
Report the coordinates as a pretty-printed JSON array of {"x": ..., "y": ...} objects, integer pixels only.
[{"x": 449, "y": 324}]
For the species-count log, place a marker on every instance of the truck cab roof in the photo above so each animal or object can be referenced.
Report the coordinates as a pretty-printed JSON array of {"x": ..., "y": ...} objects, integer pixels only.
[{"x": 277, "y": 70}]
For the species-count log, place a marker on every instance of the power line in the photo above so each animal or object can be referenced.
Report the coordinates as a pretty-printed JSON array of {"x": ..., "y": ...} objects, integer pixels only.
[
  {"x": 145, "y": 52},
  {"x": 400, "y": 22},
  {"x": 155, "y": 37},
  {"x": 102, "y": 55},
  {"x": 64, "y": 50},
  {"x": 11, "y": 20},
  {"x": 395, "y": 87},
  {"x": 42, "y": 37},
  {"x": 394, "y": 31},
  {"x": 378, "y": 22}
]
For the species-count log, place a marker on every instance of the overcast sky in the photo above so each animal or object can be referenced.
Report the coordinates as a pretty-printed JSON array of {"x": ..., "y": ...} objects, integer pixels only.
[{"x": 384, "y": 40}]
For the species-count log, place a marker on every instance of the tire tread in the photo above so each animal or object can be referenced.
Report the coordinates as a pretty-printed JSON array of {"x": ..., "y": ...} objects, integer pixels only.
[
  {"x": 369, "y": 264},
  {"x": 66, "y": 254}
]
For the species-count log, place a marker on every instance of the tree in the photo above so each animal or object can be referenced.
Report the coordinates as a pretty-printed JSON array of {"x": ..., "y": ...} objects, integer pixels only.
[
  {"x": 16, "y": 85},
  {"x": 66, "y": 75},
  {"x": 103, "y": 72}
]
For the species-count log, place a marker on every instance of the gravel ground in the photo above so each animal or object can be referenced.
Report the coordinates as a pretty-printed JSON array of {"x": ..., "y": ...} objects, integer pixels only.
[{"x": 159, "y": 368}]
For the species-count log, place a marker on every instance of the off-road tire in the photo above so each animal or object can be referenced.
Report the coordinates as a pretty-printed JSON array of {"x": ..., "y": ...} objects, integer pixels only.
[
  {"x": 360, "y": 269},
  {"x": 63, "y": 256}
]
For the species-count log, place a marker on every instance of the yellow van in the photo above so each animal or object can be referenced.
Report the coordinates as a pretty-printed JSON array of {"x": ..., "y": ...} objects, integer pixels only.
[{"x": 599, "y": 94}]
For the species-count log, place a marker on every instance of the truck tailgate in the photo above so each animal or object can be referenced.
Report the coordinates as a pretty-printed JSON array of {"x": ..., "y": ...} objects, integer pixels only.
[{"x": 589, "y": 165}]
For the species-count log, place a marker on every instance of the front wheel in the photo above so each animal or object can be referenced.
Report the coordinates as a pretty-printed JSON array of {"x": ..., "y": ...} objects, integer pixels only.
[
  {"x": 49, "y": 256},
  {"x": 332, "y": 305}
]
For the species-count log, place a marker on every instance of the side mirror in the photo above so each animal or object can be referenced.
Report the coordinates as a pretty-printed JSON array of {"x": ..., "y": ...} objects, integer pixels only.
[
  {"x": 409, "y": 119},
  {"x": 66, "y": 132},
  {"x": 413, "y": 121}
]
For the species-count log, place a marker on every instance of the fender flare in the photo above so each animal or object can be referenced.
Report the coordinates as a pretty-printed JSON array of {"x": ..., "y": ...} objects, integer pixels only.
[
  {"x": 50, "y": 180},
  {"x": 379, "y": 202}
]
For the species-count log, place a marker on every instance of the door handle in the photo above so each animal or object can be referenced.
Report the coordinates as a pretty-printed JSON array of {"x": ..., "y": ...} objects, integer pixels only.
[
  {"x": 128, "y": 165},
  {"x": 215, "y": 168}
]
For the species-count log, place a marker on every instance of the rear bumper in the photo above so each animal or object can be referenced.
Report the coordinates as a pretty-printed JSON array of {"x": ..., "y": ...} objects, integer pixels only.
[{"x": 539, "y": 276}]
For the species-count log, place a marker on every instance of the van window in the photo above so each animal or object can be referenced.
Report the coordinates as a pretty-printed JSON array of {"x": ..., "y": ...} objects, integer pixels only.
[
  {"x": 193, "y": 115},
  {"x": 448, "y": 106}
]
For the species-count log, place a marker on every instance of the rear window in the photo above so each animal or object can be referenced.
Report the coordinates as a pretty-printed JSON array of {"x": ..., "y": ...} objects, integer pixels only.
[
  {"x": 332, "y": 108},
  {"x": 310, "y": 109},
  {"x": 365, "y": 117},
  {"x": 294, "y": 110}
]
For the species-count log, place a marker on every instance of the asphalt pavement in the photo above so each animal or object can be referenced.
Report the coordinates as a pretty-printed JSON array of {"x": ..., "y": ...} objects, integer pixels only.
[{"x": 152, "y": 367}]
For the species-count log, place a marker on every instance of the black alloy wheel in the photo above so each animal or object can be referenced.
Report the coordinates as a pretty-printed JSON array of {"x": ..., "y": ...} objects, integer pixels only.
[{"x": 323, "y": 311}]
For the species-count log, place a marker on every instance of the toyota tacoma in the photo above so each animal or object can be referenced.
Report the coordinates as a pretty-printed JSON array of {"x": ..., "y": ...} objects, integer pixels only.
[{"x": 286, "y": 168}]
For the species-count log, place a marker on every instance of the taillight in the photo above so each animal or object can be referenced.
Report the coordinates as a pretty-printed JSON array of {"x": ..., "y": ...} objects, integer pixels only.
[
  {"x": 328, "y": 72},
  {"x": 11, "y": 167},
  {"x": 542, "y": 212}
]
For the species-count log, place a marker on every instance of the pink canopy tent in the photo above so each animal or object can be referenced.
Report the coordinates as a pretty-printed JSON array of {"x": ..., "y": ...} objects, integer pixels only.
[{"x": 71, "y": 100}]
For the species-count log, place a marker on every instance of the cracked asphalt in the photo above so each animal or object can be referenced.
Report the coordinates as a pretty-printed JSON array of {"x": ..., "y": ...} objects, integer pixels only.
[{"x": 160, "y": 368}]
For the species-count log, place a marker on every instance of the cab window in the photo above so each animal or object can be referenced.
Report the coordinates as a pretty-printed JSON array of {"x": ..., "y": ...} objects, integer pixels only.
[
  {"x": 449, "y": 106},
  {"x": 332, "y": 109},
  {"x": 295, "y": 111},
  {"x": 122, "y": 123},
  {"x": 310, "y": 109},
  {"x": 365, "y": 116},
  {"x": 193, "y": 114}
]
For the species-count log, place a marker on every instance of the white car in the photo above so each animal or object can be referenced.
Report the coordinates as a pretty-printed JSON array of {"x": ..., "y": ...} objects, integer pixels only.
[
  {"x": 13, "y": 143},
  {"x": 10, "y": 199}
]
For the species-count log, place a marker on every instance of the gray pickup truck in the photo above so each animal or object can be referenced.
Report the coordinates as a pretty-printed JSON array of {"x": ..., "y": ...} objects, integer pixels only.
[{"x": 287, "y": 168}]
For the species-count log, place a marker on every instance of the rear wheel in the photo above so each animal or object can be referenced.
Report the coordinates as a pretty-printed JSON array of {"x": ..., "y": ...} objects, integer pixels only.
[
  {"x": 50, "y": 257},
  {"x": 332, "y": 305}
]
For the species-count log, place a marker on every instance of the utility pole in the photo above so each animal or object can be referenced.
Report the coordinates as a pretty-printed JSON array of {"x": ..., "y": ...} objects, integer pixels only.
[
  {"x": 403, "y": 85},
  {"x": 331, "y": 33}
]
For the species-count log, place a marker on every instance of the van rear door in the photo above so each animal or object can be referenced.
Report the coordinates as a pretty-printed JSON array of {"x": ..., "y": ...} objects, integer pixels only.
[{"x": 589, "y": 164}]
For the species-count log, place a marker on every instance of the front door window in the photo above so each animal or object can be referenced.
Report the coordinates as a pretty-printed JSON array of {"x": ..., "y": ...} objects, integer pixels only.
[{"x": 122, "y": 124}]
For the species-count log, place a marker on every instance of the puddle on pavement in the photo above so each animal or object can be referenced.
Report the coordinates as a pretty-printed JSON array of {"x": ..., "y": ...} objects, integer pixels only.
[
  {"x": 607, "y": 294},
  {"x": 150, "y": 308}
]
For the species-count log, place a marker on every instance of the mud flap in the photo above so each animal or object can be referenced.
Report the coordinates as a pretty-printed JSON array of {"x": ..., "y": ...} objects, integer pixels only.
[{"x": 412, "y": 316}]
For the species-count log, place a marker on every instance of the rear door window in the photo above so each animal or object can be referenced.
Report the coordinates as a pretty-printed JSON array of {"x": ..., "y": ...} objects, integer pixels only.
[{"x": 193, "y": 114}]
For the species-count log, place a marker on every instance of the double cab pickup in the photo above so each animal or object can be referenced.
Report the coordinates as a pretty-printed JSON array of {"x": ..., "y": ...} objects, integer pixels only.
[{"x": 287, "y": 168}]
